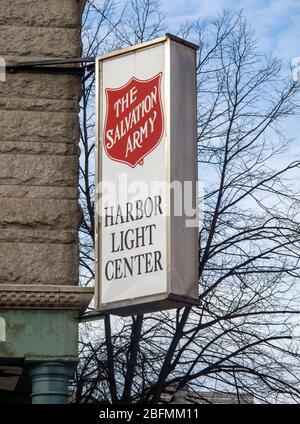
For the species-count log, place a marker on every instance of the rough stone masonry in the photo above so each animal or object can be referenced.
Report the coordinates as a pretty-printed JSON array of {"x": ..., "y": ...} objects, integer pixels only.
[{"x": 39, "y": 154}]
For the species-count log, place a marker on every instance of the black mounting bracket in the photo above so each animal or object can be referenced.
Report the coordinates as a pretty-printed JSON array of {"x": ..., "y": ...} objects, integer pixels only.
[{"x": 54, "y": 66}]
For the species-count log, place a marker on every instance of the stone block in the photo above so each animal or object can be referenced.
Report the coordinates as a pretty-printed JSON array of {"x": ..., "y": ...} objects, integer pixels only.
[
  {"x": 30, "y": 235},
  {"x": 38, "y": 148},
  {"x": 52, "y": 214},
  {"x": 41, "y": 42},
  {"x": 38, "y": 263},
  {"x": 38, "y": 170},
  {"x": 47, "y": 13},
  {"x": 42, "y": 86},
  {"x": 39, "y": 126},
  {"x": 38, "y": 192},
  {"x": 40, "y": 105}
]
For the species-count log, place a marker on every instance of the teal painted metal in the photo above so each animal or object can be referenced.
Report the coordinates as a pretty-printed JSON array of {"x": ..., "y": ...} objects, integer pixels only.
[
  {"x": 50, "y": 382},
  {"x": 40, "y": 335}
]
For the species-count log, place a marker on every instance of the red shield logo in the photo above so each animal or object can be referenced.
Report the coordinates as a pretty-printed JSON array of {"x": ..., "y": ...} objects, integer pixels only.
[{"x": 134, "y": 120}]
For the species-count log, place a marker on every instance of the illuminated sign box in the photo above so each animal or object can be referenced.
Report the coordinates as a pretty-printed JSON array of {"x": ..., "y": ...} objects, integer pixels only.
[{"x": 146, "y": 173}]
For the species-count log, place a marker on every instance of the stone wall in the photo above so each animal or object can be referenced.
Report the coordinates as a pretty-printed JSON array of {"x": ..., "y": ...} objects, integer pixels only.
[{"x": 39, "y": 155}]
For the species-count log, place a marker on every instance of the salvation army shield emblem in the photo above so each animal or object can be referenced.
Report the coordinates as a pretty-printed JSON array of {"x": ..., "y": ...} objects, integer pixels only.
[{"x": 134, "y": 120}]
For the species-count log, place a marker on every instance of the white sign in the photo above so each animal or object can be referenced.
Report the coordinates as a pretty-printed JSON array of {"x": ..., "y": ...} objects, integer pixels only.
[{"x": 146, "y": 234}]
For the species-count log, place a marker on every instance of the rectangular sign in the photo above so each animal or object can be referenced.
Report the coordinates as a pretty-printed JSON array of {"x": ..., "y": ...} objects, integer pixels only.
[{"x": 146, "y": 173}]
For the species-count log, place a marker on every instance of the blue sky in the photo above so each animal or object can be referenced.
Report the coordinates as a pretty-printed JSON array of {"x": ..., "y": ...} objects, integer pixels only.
[{"x": 277, "y": 22}]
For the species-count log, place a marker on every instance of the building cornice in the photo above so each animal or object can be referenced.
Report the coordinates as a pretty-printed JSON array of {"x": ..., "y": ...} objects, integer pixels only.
[{"x": 45, "y": 297}]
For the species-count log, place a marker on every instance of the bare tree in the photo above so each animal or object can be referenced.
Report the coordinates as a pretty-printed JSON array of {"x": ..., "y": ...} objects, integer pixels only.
[{"x": 241, "y": 337}]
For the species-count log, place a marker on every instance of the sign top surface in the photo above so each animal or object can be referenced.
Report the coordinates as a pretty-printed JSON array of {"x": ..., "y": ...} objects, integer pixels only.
[{"x": 146, "y": 44}]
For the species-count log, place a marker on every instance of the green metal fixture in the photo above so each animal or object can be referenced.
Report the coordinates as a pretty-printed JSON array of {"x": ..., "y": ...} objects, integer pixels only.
[{"x": 50, "y": 382}]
